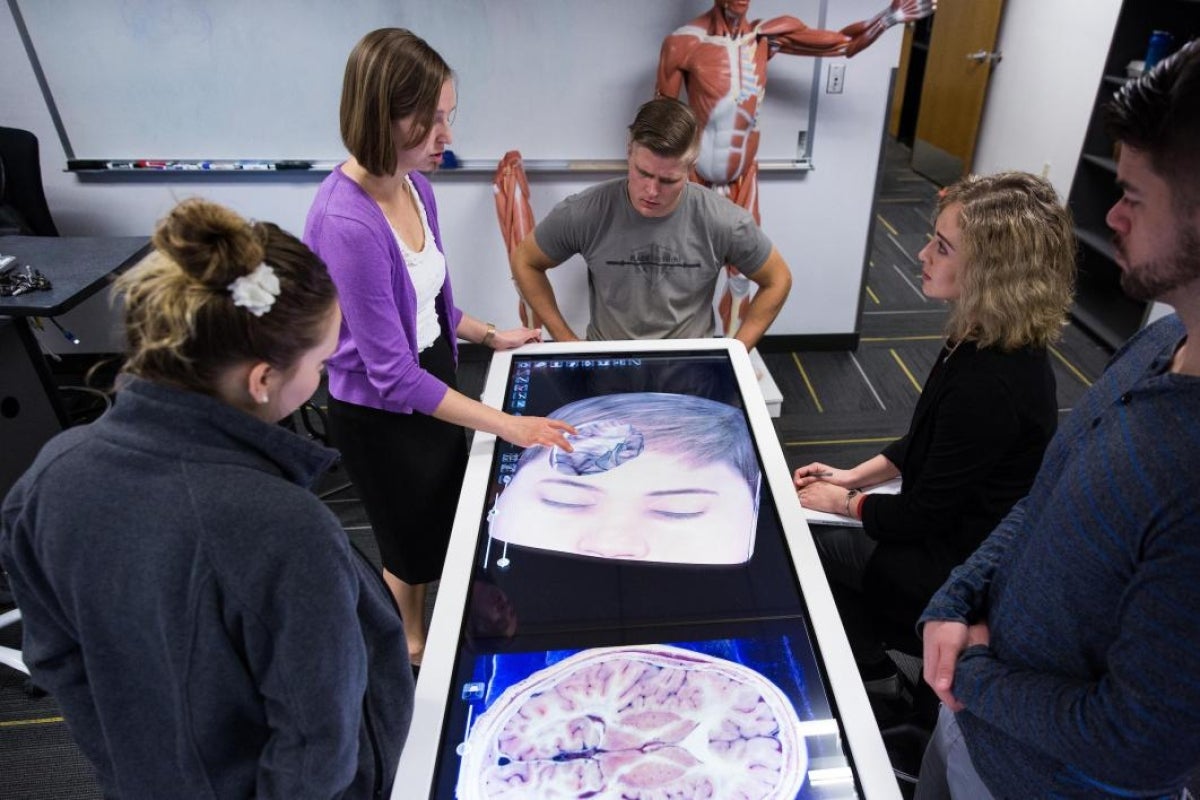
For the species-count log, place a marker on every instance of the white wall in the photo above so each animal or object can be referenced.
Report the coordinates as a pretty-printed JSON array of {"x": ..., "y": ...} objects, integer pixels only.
[
  {"x": 1042, "y": 93},
  {"x": 819, "y": 221}
]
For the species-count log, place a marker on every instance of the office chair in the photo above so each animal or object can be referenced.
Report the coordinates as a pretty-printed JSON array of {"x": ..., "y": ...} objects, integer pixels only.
[
  {"x": 21, "y": 181},
  {"x": 905, "y": 739},
  {"x": 23, "y": 210}
]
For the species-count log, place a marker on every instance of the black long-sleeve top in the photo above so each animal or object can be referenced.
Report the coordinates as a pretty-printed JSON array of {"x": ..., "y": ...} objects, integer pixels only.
[{"x": 972, "y": 450}]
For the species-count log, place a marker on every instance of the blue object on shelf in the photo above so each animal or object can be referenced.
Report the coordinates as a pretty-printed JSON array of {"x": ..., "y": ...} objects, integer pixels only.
[{"x": 1158, "y": 48}]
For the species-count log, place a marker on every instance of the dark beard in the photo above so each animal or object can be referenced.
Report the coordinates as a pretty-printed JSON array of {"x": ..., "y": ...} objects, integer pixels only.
[{"x": 1153, "y": 280}]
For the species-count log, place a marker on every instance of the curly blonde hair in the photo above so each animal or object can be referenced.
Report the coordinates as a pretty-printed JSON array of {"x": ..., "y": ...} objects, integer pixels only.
[
  {"x": 1018, "y": 244},
  {"x": 181, "y": 324}
]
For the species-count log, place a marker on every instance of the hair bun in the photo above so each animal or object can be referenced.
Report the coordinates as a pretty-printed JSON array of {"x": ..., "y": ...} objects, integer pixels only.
[{"x": 209, "y": 242}]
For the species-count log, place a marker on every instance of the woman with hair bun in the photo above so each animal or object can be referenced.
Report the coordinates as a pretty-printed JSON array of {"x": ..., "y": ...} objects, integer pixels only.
[{"x": 196, "y": 611}]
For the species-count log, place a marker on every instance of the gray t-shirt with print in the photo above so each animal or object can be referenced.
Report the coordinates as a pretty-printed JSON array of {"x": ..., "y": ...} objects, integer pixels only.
[{"x": 652, "y": 278}]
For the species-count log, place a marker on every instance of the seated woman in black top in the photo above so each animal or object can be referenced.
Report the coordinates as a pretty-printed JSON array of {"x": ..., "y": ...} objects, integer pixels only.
[{"x": 1003, "y": 255}]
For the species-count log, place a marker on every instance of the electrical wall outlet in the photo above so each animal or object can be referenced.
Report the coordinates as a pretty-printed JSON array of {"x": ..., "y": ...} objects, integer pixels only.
[{"x": 837, "y": 77}]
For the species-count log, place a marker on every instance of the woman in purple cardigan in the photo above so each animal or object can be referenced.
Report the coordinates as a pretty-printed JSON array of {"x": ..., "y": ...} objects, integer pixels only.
[{"x": 394, "y": 410}]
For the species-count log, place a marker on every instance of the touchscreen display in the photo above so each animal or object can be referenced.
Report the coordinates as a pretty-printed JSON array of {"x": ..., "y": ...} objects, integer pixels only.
[{"x": 634, "y": 626}]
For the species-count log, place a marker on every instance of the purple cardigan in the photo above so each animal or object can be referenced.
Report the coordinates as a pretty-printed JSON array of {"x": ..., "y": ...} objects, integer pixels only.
[{"x": 376, "y": 361}]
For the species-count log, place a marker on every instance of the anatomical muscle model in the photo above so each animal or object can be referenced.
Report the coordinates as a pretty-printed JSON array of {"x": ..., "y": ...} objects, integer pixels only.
[
  {"x": 514, "y": 213},
  {"x": 720, "y": 58}
]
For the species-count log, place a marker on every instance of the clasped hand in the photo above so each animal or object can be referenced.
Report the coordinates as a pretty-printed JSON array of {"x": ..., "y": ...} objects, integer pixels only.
[
  {"x": 821, "y": 487},
  {"x": 944, "y": 641}
]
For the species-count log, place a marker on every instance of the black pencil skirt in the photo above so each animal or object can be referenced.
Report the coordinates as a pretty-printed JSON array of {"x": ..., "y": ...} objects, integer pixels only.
[{"x": 408, "y": 470}]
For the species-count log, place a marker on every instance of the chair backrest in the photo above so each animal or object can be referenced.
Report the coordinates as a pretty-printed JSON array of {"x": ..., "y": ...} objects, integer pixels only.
[{"x": 21, "y": 181}]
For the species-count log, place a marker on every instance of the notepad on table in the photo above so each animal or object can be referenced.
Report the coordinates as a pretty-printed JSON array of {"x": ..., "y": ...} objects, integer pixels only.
[{"x": 825, "y": 518}]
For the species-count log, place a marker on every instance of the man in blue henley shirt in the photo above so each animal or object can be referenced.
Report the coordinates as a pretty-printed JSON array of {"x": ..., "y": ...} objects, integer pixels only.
[{"x": 1066, "y": 650}]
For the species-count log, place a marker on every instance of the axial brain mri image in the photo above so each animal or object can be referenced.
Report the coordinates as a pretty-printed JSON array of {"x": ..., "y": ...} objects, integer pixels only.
[{"x": 643, "y": 722}]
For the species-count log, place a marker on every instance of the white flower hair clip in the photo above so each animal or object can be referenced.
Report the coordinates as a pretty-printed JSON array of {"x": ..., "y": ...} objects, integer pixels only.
[{"x": 257, "y": 291}]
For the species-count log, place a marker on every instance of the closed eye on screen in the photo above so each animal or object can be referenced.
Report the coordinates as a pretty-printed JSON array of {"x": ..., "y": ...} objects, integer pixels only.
[
  {"x": 674, "y": 516},
  {"x": 546, "y": 501},
  {"x": 557, "y": 495},
  {"x": 684, "y": 506}
]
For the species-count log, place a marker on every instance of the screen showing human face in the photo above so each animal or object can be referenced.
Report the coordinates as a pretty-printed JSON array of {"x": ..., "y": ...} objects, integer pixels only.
[{"x": 654, "y": 507}]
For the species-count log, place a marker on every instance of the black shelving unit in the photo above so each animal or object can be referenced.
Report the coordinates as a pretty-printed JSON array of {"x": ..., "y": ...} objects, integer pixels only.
[{"x": 1100, "y": 305}]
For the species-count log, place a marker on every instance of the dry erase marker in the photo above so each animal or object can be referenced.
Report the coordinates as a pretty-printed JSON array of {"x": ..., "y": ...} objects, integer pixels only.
[
  {"x": 151, "y": 164},
  {"x": 255, "y": 165}
]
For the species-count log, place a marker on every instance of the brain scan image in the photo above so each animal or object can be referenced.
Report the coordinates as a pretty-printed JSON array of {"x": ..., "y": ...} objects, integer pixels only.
[{"x": 648, "y": 722}]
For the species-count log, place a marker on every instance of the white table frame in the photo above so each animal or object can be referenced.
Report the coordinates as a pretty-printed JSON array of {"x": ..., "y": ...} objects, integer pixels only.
[{"x": 415, "y": 774}]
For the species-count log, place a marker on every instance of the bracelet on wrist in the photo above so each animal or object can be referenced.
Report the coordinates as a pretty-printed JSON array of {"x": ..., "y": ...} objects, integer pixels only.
[
  {"x": 850, "y": 495},
  {"x": 491, "y": 334}
]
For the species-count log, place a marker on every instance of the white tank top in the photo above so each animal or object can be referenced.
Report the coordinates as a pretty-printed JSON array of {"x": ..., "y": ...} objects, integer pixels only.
[{"x": 427, "y": 269}]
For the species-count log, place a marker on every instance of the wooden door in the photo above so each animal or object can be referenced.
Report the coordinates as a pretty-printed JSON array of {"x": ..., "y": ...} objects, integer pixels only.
[{"x": 961, "y": 59}]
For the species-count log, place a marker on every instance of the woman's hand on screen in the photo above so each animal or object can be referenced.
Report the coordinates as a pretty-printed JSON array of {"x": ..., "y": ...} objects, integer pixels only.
[{"x": 528, "y": 431}]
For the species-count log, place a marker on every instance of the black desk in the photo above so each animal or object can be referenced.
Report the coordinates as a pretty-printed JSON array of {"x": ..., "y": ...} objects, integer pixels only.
[{"x": 78, "y": 267}]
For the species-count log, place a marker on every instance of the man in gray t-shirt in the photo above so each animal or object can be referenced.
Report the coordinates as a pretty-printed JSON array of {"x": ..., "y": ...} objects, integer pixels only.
[{"x": 654, "y": 243}]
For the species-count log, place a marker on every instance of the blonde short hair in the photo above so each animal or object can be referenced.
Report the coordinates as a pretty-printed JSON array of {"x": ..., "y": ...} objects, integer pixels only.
[
  {"x": 1018, "y": 246},
  {"x": 391, "y": 74}
]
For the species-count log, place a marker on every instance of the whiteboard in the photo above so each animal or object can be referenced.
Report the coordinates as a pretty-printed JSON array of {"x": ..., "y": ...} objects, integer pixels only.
[{"x": 244, "y": 79}]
